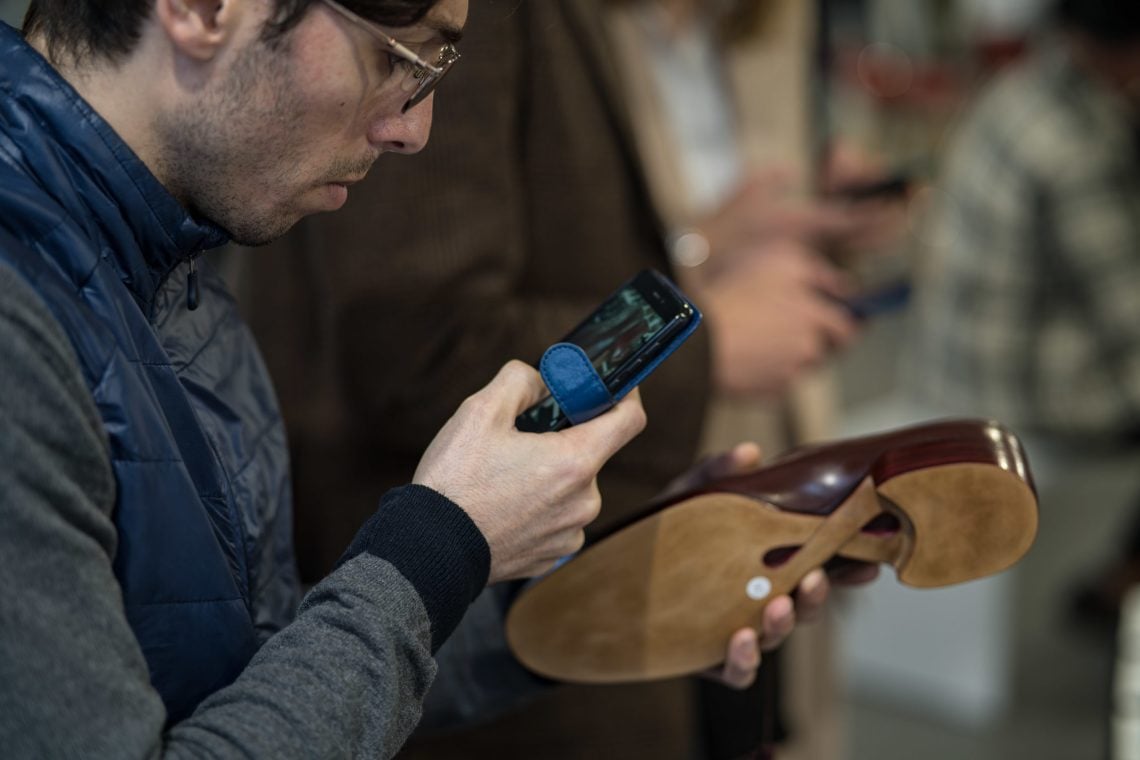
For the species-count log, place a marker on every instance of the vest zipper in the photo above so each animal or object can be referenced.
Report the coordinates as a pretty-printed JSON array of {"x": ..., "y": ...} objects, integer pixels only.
[{"x": 192, "y": 294}]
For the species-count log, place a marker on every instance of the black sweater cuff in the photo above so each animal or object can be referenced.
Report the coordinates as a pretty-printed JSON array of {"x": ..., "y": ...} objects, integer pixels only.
[{"x": 435, "y": 545}]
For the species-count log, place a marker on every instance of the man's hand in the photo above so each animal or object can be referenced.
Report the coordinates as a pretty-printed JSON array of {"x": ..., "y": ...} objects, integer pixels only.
[
  {"x": 765, "y": 207},
  {"x": 742, "y": 657},
  {"x": 776, "y": 316},
  {"x": 530, "y": 494}
]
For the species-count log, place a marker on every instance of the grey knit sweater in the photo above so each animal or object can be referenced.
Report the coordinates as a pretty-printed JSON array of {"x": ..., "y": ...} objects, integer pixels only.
[{"x": 347, "y": 678}]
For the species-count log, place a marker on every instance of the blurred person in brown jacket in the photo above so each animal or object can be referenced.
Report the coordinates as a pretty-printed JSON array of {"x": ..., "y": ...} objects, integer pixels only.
[
  {"x": 743, "y": 172},
  {"x": 539, "y": 207}
]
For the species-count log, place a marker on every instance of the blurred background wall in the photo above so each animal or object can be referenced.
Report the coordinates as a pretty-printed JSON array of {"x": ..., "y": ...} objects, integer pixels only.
[{"x": 12, "y": 11}]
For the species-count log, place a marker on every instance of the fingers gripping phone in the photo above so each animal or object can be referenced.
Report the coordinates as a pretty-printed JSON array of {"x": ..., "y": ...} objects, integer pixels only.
[{"x": 634, "y": 327}]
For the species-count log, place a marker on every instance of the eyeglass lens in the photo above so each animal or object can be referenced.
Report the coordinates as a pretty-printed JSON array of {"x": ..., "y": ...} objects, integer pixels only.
[{"x": 427, "y": 80}]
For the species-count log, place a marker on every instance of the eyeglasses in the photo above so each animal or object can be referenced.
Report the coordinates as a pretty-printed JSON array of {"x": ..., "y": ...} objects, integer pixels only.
[{"x": 412, "y": 74}]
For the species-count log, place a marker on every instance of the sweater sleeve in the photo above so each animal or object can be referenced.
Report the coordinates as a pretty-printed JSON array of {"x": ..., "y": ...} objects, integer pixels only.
[
  {"x": 347, "y": 677},
  {"x": 479, "y": 678}
]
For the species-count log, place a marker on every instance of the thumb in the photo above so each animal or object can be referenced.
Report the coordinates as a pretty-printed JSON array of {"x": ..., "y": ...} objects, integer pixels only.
[
  {"x": 605, "y": 434},
  {"x": 515, "y": 388}
]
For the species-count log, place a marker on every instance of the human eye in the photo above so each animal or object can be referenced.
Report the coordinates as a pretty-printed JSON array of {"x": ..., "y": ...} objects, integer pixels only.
[
  {"x": 389, "y": 62},
  {"x": 399, "y": 63}
]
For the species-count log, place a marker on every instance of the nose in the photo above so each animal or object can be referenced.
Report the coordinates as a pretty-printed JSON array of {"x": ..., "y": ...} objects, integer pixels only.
[{"x": 404, "y": 132}]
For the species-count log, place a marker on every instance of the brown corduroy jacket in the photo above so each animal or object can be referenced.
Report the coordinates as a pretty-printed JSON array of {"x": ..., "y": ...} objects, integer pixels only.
[{"x": 526, "y": 209}]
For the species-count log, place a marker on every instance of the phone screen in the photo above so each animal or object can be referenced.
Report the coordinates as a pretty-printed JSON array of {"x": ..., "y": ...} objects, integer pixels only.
[{"x": 618, "y": 337}]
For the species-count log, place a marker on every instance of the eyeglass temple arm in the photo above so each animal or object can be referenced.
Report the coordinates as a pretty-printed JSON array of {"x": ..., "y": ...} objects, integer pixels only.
[
  {"x": 390, "y": 41},
  {"x": 408, "y": 54}
]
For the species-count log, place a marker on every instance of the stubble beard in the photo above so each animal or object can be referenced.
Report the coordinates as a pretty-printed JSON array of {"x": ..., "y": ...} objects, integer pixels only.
[{"x": 242, "y": 128}]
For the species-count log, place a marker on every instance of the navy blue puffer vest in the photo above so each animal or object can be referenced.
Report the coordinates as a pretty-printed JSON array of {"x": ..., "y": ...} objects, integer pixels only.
[{"x": 204, "y": 551}]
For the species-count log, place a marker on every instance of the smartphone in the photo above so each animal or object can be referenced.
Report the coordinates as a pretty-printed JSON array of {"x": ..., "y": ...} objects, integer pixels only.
[
  {"x": 634, "y": 327},
  {"x": 881, "y": 300},
  {"x": 892, "y": 186}
]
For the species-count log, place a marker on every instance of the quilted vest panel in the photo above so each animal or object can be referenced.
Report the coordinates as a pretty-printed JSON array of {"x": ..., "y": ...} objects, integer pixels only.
[{"x": 204, "y": 552}]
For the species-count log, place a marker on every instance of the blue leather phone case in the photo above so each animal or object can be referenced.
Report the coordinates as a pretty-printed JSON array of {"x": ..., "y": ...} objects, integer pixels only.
[
  {"x": 578, "y": 388},
  {"x": 574, "y": 383}
]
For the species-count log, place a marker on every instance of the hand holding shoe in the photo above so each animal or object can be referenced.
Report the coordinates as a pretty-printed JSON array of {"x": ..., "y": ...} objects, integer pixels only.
[{"x": 743, "y": 654}]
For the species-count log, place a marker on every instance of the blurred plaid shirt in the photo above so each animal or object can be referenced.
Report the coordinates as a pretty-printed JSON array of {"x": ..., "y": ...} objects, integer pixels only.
[{"x": 1027, "y": 302}]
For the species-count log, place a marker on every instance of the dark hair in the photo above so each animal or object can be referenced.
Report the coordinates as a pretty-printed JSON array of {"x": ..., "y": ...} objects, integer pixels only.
[
  {"x": 1113, "y": 22},
  {"x": 110, "y": 29}
]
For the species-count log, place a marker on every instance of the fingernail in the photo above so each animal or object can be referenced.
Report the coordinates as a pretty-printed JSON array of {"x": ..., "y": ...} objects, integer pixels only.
[
  {"x": 784, "y": 615},
  {"x": 748, "y": 656},
  {"x": 788, "y": 620}
]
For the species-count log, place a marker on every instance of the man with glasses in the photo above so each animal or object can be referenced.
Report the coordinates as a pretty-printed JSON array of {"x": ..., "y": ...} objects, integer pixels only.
[{"x": 150, "y": 596}]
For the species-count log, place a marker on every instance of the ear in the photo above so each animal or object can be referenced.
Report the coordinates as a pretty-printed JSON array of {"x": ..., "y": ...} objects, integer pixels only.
[{"x": 198, "y": 28}]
